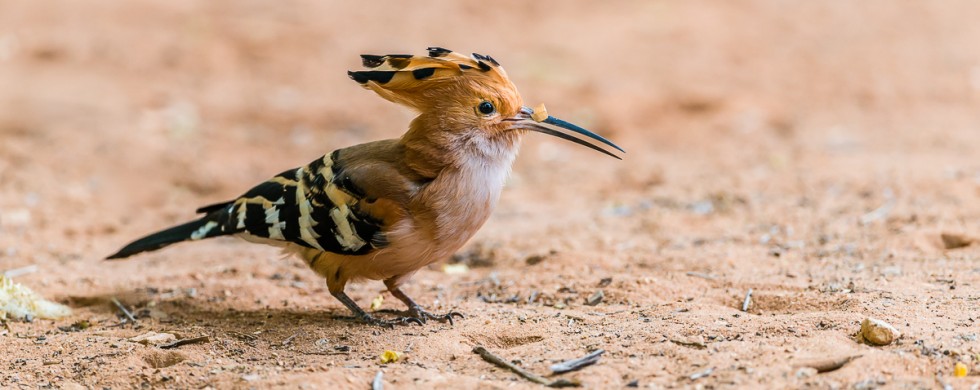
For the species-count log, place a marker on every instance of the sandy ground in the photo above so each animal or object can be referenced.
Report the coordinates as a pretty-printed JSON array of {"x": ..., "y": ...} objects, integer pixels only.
[{"x": 813, "y": 152}]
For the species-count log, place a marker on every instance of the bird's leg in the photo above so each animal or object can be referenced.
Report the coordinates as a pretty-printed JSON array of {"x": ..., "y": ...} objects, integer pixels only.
[
  {"x": 415, "y": 310},
  {"x": 362, "y": 315}
]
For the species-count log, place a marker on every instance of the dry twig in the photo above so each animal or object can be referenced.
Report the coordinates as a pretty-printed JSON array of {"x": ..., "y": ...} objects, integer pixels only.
[
  {"x": 701, "y": 275},
  {"x": 13, "y": 273},
  {"x": 577, "y": 364},
  {"x": 175, "y": 344},
  {"x": 124, "y": 310},
  {"x": 689, "y": 343},
  {"x": 290, "y": 339},
  {"x": 378, "y": 384},
  {"x": 700, "y": 374},
  {"x": 500, "y": 362},
  {"x": 748, "y": 301}
]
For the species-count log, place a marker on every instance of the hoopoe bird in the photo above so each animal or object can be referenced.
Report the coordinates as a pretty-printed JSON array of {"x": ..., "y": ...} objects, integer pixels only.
[{"x": 382, "y": 210}]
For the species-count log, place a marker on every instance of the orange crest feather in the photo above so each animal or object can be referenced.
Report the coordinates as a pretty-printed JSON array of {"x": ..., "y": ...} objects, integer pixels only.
[{"x": 406, "y": 79}]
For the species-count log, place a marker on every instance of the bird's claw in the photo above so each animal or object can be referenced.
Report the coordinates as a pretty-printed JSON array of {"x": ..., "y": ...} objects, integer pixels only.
[
  {"x": 419, "y": 316},
  {"x": 369, "y": 319},
  {"x": 448, "y": 317}
]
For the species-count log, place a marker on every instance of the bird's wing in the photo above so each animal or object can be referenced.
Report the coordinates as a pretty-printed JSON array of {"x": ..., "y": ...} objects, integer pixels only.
[{"x": 343, "y": 202}]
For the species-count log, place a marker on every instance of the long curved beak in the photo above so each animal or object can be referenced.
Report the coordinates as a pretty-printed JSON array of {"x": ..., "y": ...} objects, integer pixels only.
[{"x": 525, "y": 119}]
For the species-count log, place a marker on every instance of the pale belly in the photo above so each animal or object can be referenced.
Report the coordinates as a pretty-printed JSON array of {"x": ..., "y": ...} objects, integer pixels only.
[{"x": 447, "y": 214}]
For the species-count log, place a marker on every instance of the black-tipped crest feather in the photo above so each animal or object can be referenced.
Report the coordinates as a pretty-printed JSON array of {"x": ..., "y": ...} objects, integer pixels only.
[{"x": 440, "y": 64}]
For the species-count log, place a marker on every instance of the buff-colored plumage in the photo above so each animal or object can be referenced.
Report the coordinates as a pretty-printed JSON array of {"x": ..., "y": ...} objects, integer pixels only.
[{"x": 382, "y": 210}]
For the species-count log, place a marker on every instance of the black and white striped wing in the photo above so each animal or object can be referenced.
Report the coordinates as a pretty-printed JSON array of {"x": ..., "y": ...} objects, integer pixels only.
[{"x": 314, "y": 206}]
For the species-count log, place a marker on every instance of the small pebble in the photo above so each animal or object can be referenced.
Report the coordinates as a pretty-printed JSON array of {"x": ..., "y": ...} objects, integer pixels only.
[
  {"x": 595, "y": 299},
  {"x": 878, "y": 332},
  {"x": 153, "y": 338}
]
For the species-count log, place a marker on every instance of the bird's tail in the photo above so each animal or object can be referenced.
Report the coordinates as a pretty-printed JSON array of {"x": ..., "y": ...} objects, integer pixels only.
[{"x": 209, "y": 226}]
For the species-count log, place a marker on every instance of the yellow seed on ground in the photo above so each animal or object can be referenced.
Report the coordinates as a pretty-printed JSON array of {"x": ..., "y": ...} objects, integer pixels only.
[
  {"x": 390, "y": 356},
  {"x": 376, "y": 302},
  {"x": 540, "y": 113},
  {"x": 960, "y": 370}
]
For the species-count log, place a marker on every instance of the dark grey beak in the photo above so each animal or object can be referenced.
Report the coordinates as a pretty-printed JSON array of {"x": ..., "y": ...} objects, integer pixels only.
[{"x": 564, "y": 130}]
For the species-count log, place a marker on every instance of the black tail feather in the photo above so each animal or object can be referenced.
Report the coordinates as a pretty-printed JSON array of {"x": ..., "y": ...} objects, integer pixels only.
[
  {"x": 173, "y": 235},
  {"x": 213, "y": 207}
]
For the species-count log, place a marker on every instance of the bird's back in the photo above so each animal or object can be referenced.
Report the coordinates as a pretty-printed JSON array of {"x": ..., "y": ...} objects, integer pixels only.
[{"x": 342, "y": 203}]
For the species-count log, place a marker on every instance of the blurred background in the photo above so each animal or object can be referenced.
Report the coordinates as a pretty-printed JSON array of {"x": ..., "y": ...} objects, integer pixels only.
[
  {"x": 116, "y": 111},
  {"x": 776, "y": 143}
]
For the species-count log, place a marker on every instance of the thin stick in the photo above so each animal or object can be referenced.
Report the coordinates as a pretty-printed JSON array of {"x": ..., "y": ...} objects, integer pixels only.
[
  {"x": 701, "y": 374},
  {"x": 13, "y": 273},
  {"x": 124, "y": 310},
  {"x": 175, "y": 344},
  {"x": 290, "y": 339},
  {"x": 500, "y": 362},
  {"x": 702, "y": 275},
  {"x": 378, "y": 383},
  {"x": 686, "y": 343},
  {"x": 577, "y": 364},
  {"x": 748, "y": 300}
]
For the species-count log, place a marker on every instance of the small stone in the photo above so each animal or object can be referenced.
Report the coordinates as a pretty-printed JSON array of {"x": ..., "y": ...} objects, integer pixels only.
[
  {"x": 154, "y": 338},
  {"x": 158, "y": 314},
  {"x": 595, "y": 299},
  {"x": 878, "y": 332}
]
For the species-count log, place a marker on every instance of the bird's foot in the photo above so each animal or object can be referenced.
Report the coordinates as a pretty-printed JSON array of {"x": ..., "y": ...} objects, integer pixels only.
[{"x": 372, "y": 320}]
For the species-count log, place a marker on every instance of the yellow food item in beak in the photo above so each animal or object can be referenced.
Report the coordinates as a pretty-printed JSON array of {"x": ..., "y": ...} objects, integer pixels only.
[{"x": 540, "y": 113}]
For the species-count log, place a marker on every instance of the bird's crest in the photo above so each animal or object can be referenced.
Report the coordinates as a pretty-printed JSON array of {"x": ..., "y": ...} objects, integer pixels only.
[{"x": 407, "y": 79}]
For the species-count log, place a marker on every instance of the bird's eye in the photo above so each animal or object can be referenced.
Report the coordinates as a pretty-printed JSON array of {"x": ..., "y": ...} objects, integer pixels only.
[{"x": 486, "y": 108}]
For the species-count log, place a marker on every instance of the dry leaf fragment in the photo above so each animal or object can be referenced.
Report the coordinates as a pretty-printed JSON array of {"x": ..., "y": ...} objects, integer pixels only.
[
  {"x": 18, "y": 301},
  {"x": 955, "y": 241},
  {"x": 390, "y": 356},
  {"x": 376, "y": 302}
]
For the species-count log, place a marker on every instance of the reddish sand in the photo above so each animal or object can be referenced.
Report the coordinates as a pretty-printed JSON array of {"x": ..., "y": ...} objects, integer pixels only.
[{"x": 812, "y": 152}]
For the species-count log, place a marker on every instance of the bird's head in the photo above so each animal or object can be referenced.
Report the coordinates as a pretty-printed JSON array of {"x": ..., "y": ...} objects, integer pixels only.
[{"x": 460, "y": 96}]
